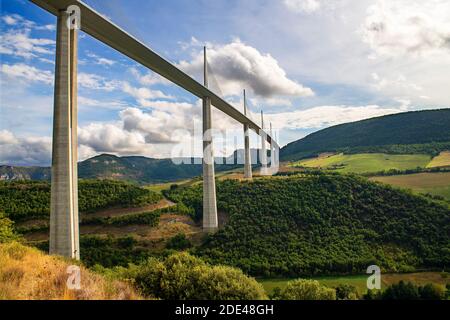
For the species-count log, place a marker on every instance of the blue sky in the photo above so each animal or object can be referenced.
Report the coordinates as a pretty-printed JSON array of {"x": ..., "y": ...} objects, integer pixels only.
[{"x": 308, "y": 64}]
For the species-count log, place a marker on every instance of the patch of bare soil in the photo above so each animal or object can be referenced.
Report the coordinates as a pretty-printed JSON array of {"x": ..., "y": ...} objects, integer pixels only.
[{"x": 115, "y": 212}]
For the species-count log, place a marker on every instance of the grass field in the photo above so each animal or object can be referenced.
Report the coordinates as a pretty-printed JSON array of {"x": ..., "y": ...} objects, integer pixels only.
[
  {"x": 366, "y": 162},
  {"x": 442, "y": 160},
  {"x": 435, "y": 183},
  {"x": 359, "y": 281},
  {"x": 159, "y": 187}
]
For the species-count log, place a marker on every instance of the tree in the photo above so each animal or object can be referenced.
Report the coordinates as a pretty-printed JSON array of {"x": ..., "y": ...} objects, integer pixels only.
[
  {"x": 401, "y": 291},
  {"x": 178, "y": 242},
  {"x": 372, "y": 295},
  {"x": 303, "y": 289},
  {"x": 7, "y": 232},
  {"x": 346, "y": 292},
  {"x": 432, "y": 291},
  {"x": 182, "y": 276}
]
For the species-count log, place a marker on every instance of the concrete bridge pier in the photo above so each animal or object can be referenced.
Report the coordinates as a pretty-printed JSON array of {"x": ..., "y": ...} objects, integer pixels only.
[
  {"x": 210, "y": 220},
  {"x": 272, "y": 155},
  {"x": 247, "y": 154},
  {"x": 64, "y": 231},
  {"x": 263, "y": 156}
]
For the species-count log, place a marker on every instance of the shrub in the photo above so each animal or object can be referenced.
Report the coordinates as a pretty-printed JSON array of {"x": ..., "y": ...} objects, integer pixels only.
[
  {"x": 401, "y": 291},
  {"x": 182, "y": 276},
  {"x": 7, "y": 232},
  {"x": 372, "y": 295},
  {"x": 346, "y": 292},
  {"x": 303, "y": 289},
  {"x": 178, "y": 242},
  {"x": 432, "y": 291}
]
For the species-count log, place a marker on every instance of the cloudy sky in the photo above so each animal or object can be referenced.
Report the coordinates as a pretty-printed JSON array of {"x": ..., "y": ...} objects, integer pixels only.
[{"x": 307, "y": 64}]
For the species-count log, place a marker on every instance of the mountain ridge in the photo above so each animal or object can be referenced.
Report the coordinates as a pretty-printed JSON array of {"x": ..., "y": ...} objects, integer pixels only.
[
  {"x": 424, "y": 131},
  {"x": 130, "y": 168}
]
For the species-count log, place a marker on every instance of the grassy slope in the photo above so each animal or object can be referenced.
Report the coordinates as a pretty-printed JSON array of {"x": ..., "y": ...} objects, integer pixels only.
[
  {"x": 442, "y": 160},
  {"x": 435, "y": 183},
  {"x": 367, "y": 162},
  {"x": 27, "y": 273}
]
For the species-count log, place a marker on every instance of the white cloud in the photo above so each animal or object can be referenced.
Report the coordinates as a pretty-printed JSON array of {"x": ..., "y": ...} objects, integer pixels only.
[
  {"x": 101, "y": 60},
  {"x": 85, "y": 102},
  {"x": 398, "y": 27},
  {"x": 237, "y": 66},
  {"x": 143, "y": 94},
  {"x": 96, "y": 82},
  {"x": 24, "y": 151},
  {"x": 303, "y": 6},
  {"x": 7, "y": 137},
  {"x": 396, "y": 83},
  {"x": 111, "y": 138},
  {"x": 149, "y": 79},
  {"x": 137, "y": 132},
  {"x": 16, "y": 20},
  {"x": 325, "y": 116},
  {"x": 19, "y": 43},
  {"x": 9, "y": 20},
  {"x": 27, "y": 73}
]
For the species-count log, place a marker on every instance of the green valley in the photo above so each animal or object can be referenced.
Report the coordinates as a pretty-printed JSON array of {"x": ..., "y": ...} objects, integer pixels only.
[{"x": 366, "y": 162}]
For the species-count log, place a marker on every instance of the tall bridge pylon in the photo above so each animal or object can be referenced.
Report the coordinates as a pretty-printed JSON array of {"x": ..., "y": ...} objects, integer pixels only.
[{"x": 64, "y": 225}]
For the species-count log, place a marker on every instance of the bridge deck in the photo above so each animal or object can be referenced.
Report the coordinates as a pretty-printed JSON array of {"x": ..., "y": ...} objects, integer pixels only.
[{"x": 107, "y": 32}]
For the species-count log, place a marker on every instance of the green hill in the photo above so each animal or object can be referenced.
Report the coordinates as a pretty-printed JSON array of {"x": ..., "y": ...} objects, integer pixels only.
[
  {"x": 403, "y": 133},
  {"x": 23, "y": 200},
  {"x": 322, "y": 224},
  {"x": 136, "y": 168}
]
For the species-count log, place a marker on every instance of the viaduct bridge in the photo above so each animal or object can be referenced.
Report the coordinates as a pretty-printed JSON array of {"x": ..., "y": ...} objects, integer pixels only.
[{"x": 64, "y": 224}]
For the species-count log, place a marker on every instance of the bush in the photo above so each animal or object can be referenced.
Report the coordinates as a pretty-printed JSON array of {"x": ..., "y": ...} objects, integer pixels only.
[
  {"x": 372, "y": 295},
  {"x": 408, "y": 291},
  {"x": 7, "y": 232},
  {"x": 346, "y": 292},
  {"x": 303, "y": 289},
  {"x": 401, "y": 291},
  {"x": 178, "y": 242},
  {"x": 182, "y": 276},
  {"x": 432, "y": 291}
]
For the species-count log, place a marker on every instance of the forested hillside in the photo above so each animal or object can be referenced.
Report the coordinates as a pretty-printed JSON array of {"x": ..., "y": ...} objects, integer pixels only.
[
  {"x": 322, "y": 224},
  {"x": 410, "y": 132},
  {"x": 27, "y": 199}
]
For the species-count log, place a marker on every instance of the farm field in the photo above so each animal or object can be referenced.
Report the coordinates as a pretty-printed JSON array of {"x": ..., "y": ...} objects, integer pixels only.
[
  {"x": 435, "y": 183},
  {"x": 359, "y": 281},
  {"x": 366, "y": 162},
  {"x": 442, "y": 160}
]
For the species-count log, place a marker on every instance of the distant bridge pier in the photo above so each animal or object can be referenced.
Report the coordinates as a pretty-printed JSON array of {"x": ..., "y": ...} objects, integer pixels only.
[
  {"x": 64, "y": 229},
  {"x": 272, "y": 152},
  {"x": 263, "y": 156},
  {"x": 247, "y": 154},
  {"x": 210, "y": 221}
]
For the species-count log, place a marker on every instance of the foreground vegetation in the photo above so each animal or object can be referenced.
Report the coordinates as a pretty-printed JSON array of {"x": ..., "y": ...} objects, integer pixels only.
[
  {"x": 27, "y": 273},
  {"x": 183, "y": 277},
  {"x": 322, "y": 224}
]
